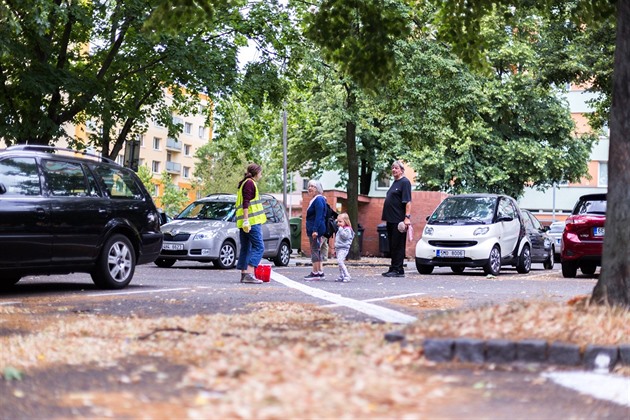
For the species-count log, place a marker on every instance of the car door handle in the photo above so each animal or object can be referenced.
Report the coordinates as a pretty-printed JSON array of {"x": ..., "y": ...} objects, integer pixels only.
[
  {"x": 41, "y": 213},
  {"x": 103, "y": 212}
]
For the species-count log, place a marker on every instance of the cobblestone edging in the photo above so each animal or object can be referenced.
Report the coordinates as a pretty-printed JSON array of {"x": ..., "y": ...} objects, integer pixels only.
[{"x": 472, "y": 350}]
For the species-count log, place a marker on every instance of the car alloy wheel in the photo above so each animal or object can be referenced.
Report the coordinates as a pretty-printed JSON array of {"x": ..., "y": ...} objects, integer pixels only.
[
  {"x": 227, "y": 256},
  {"x": 524, "y": 263},
  {"x": 493, "y": 266},
  {"x": 284, "y": 255},
  {"x": 116, "y": 264}
]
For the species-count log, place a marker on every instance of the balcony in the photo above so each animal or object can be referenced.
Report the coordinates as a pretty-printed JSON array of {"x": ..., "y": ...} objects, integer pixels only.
[
  {"x": 173, "y": 168},
  {"x": 173, "y": 144}
]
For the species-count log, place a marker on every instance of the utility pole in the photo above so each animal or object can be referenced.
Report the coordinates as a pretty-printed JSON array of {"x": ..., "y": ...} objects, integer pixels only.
[{"x": 284, "y": 157}]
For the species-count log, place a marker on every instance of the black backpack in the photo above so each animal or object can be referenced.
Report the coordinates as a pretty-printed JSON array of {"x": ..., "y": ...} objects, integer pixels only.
[{"x": 331, "y": 222}]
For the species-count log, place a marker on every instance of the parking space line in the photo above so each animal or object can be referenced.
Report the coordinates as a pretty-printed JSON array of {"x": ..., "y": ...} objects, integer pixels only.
[
  {"x": 135, "y": 292},
  {"x": 378, "y": 312},
  {"x": 332, "y": 305}
]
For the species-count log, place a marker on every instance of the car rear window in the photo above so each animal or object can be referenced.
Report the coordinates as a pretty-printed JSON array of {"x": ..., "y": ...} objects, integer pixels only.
[{"x": 590, "y": 207}]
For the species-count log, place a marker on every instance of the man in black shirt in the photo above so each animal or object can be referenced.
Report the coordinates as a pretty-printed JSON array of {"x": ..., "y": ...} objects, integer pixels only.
[{"x": 397, "y": 208}]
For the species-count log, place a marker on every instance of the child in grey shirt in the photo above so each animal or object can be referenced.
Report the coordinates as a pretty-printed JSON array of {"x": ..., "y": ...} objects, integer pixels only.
[{"x": 343, "y": 240}]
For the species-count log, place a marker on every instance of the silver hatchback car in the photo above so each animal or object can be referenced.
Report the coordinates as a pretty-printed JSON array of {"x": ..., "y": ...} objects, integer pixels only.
[{"x": 206, "y": 231}]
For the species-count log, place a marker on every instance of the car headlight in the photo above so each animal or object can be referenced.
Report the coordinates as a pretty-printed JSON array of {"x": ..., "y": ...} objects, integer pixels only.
[
  {"x": 203, "y": 235},
  {"x": 481, "y": 231},
  {"x": 428, "y": 230}
]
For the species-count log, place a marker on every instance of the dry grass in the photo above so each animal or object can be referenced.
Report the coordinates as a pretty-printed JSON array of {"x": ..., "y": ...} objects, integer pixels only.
[
  {"x": 574, "y": 322},
  {"x": 280, "y": 360}
]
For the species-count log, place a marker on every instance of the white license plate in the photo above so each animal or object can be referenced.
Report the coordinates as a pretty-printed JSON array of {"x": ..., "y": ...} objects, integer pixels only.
[
  {"x": 173, "y": 247},
  {"x": 598, "y": 231},
  {"x": 449, "y": 253}
]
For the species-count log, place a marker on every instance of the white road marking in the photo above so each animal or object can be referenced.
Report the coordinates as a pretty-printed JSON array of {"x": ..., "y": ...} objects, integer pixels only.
[
  {"x": 599, "y": 385},
  {"x": 136, "y": 292},
  {"x": 10, "y": 303},
  {"x": 378, "y": 312},
  {"x": 380, "y": 299}
]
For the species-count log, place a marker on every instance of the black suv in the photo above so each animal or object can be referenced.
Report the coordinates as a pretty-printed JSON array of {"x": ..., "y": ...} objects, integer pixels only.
[{"x": 63, "y": 211}]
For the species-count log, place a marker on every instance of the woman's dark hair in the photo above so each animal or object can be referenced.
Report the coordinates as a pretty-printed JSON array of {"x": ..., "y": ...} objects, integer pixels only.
[{"x": 253, "y": 169}]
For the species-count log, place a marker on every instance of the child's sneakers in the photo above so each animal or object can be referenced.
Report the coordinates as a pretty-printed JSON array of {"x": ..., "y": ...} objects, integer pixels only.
[{"x": 342, "y": 279}]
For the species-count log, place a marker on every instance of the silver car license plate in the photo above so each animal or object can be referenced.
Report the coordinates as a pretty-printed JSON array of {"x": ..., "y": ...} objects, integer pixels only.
[
  {"x": 598, "y": 231},
  {"x": 449, "y": 253},
  {"x": 172, "y": 247}
]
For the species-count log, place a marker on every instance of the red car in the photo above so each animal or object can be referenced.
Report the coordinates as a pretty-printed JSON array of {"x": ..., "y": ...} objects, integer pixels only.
[{"x": 583, "y": 237}]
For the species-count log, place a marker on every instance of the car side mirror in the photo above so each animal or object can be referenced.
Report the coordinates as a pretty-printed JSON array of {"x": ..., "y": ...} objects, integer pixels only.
[
  {"x": 546, "y": 228},
  {"x": 3, "y": 189}
]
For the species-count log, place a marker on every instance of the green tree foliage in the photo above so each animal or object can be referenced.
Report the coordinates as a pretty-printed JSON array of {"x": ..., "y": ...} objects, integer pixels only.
[{"x": 174, "y": 199}]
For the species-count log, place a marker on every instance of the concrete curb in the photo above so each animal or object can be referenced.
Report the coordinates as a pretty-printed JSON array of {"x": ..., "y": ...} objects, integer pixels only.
[{"x": 471, "y": 350}]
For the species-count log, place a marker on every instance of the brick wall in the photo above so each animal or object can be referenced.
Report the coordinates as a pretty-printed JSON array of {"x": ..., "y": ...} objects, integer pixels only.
[{"x": 370, "y": 210}]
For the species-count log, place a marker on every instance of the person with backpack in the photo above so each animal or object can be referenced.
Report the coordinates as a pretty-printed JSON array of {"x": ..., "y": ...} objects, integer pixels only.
[{"x": 316, "y": 228}]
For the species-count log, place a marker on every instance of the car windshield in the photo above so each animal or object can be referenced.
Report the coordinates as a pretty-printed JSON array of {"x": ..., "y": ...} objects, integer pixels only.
[
  {"x": 216, "y": 210},
  {"x": 591, "y": 207},
  {"x": 464, "y": 210}
]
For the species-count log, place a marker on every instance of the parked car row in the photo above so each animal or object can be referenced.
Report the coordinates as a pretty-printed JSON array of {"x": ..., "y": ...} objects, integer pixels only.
[
  {"x": 491, "y": 231},
  {"x": 482, "y": 230},
  {"x": 62, "y": 211}
]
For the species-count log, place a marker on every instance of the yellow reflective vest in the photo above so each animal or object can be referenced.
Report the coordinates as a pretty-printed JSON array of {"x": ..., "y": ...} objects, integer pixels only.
[{"x": 256, "y": 212}]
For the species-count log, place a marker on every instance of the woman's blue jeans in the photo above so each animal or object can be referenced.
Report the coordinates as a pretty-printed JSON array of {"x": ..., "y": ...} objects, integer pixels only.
[{"x": 252, "y": 247}]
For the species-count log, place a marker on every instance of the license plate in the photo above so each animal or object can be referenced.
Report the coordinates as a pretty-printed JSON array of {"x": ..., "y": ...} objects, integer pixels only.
[
  {"x": 598, "y": 231},
  {"x": 449, "y": 253},
  {"x": 173, "y": 247}
]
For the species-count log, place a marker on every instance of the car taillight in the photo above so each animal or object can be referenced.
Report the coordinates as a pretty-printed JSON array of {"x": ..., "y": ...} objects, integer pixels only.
[{"x": 575, "y": 223}]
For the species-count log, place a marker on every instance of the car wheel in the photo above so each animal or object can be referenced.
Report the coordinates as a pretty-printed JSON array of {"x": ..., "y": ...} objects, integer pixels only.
[
  {"x": 284, "y": 255},
  {"x": 549, "y": 262},
  {"x": 115, "y": 266},
  {"x": 424, "y": 268},
  {"x": 457, "y": 269},
  {"x": 524, "y": 263},
  {"x": 569, "y": 269},
  {"x": 493, "y": 266},
  {"x": 227, "y": 256},
  {"x": 588, "y": 269},
  {"x": 164, "y": 262}
]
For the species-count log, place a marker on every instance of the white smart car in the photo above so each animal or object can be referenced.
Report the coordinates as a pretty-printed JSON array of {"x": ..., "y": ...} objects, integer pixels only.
[{"x": 474, "y": 230}]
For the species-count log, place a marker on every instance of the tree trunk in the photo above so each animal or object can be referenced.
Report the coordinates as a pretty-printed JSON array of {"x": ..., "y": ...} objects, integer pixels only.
[
  {"x": 353, "y": 174},
  {"x": 613, "y": 286}
]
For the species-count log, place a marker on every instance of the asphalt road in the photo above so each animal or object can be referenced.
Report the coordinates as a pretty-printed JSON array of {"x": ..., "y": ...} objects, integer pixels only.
[{"x": 195, "y": 288}]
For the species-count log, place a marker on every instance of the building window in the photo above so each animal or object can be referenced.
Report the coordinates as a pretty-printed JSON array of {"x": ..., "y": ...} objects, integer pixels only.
[
  {"x": 187, "y": 150},
  {"x": 120, "y": 159},
  {"x": 305, "y": 185},
  {"x": 156, "y": 190},
  {"x": 602, "y": 176},
  {"x": 141, "y": 139},
  {"x": 169, "y": 157},
  {"x": 383, "y": 182},
  {"x": 186, "y": 172},
  {"x": 188, "y": 128},
  {"x": 202, "y": 131},
  {"x": 156, "y": 143},
  {"x": 155, "y": 167}
]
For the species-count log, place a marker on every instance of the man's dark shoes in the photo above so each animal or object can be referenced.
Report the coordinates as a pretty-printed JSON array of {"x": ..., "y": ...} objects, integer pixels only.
[{"x": 394, "y": 274}]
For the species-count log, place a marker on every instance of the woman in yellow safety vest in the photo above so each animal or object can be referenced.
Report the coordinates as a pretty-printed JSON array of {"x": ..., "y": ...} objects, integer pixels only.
[{"x": 250, "y": 215}]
